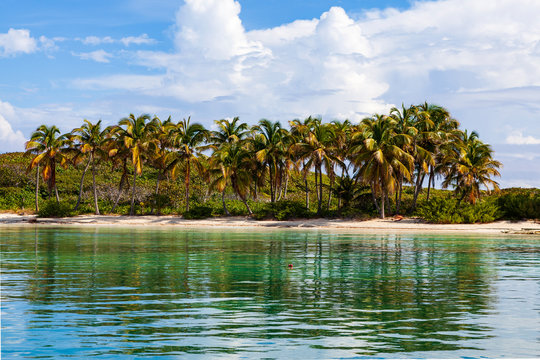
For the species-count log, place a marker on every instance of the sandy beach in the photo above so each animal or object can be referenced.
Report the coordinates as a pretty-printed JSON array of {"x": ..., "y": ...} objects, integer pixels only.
[{"x": 406, "y": 225}]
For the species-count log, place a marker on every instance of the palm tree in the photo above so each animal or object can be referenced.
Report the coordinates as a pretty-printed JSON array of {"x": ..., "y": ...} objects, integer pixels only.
[
  {"x": 137, "y": 138},
  {"x": 49, "y": 149},
  {"x": 299, "y": 132},
  {"x": 317, "y": 148},
  {"x": 426, "y": 117},
  {"x": 90, "y": 139},
  {"x": 269, "y": 143},
  {"x": 160, "y": 157},
  {"x": 342, "y": 131},
  {"x": 405, "y": 124},
  {"x": 473, "y": 166},
  {"x": 231, "y": 165},
  {"x": 228, "y": 132},
  {"x": 188, "y": 138},
  {"x": 379, "y": 157},
  {"x": 119, "y": 155}
]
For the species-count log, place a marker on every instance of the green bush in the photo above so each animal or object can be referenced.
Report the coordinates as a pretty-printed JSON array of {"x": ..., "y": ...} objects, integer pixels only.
[
  {"x": 51, "y": 208},
  {"x": 198, "y": 212},
  {"x": 450, "y": 211},
  {"x": 281, "y": 210},
  {"x": 159, "y": 201},
  {"x": 520, "y": 203},
  {"x": 13, "y": 198}
]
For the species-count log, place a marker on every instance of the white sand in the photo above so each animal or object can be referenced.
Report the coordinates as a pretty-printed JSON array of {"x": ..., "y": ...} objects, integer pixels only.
[{"x": 409, "y": 225}]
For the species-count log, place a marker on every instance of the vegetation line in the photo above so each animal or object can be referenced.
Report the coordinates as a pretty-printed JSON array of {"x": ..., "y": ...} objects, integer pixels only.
[{"x": 380, "y": 164}]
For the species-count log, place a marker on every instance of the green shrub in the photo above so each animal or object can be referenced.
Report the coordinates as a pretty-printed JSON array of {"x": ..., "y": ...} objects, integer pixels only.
[
  {"x": 13, "y": 198},
  {"x": 51, "y": 208},
  {"x": 159, "y": 201},
  {"x": 450, "y": 211},
  {"x": 520, "y": 203},
  {"x": 281, "y": 210},
  {"x": 198, "y": 212}
]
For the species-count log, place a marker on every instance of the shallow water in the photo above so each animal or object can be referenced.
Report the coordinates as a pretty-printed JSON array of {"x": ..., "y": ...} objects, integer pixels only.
[{"x": 116, "y": 293}]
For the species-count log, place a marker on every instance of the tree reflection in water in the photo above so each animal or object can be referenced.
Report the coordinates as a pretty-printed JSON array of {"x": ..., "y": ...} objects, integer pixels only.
[{"x": 185, "y": 291}]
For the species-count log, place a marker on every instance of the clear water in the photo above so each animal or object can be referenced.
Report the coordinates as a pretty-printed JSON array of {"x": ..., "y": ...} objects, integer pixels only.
[{"x": 133, "y": 293}]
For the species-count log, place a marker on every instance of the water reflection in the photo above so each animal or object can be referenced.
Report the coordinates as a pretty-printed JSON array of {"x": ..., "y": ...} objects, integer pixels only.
[{"x": 103, "y": 292}]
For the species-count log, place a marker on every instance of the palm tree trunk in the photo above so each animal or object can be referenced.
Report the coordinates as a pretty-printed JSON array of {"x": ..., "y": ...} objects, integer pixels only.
[
  {"x": 81, "y": 185},
  {"x": 316, "y": 184},
  {"x": 271, "y": 180},
  {"x": 307, "y": 192},
  {"x": 418, "y": 186},
  {"x": 94, "y": 185},
  {"x": 400, "y": 190},
  {"x": 247, "y": 205},
  {"x": 188, "y": 171},
  {"x": 120, "y": 186},
  {"x": 131, "y": 211},
  {"x": 383, "y": 198},
  {"x": 319, "y": 207},
  {"x": 37, "y": 189},
  {"x": 374, "y": 197},
  {"x": 286, "y": 185},
  {"x": 330, "y": 193},
  {"x": 280, "y": 185},
  {"x": 224, "y": 205},
  {"x": 156, "y": 192},
  {"x": 430, "y": 180}
]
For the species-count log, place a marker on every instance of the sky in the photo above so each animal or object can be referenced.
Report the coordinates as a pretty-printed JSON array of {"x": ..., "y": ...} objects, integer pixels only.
[{"x": 62, "y": 61}]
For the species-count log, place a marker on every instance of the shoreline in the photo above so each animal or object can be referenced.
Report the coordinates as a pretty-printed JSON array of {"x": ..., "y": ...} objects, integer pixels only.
[{"x": 406, "y": 225}]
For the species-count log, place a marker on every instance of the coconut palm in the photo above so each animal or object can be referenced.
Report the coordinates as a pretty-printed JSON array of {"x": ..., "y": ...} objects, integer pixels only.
[
  {"x": 160, "y": 157},
  {"x": 405, "y": 124},
  {"x": 379, "y": 157},
  {"x": 187, "y": 138},
  {"x": 49, "y": 150},
  {"x": 90, "y": 140},
  {"x": 230, "y": 165},
  {"x": 270, "y": 151},
  {"x": 136, "y": 134},
  {"x": 119, "y": 155},
  {"x": 299, "y": 132},
  {"x": 228, "y": 132},
  {"x": 342, "y": 131},
  {"x": 473, "y": 167},
  {"x": 317, "y": 148}
]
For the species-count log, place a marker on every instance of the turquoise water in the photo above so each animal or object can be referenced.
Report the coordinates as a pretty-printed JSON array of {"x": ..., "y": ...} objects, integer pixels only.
[{"x": 114, "y": 293}]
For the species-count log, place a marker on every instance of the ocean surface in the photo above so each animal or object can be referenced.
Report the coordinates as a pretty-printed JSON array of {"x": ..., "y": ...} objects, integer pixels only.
[{"x": 125, "y": 293}]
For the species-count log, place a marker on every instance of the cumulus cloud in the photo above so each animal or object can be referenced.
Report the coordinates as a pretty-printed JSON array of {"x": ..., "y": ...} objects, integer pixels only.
[
  {"x": 341, "y": 67},
  {"x": 517, "y": 138},
  {"x": 17, "y": 41},
  {"x": 10, "y": 140},
  {"x": 99, "y": 56}
]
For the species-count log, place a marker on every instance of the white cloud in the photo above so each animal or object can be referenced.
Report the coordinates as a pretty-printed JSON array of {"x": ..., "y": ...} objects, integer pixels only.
[
  {"x": 336, "y": 66},
  {"x": 94, "y": 40},
  {"x": 143, "y": 39},
  {"x": 17, "y": 41},
  {"x": 211, "y": 29},
  {"x": 124, "y": 82},
  {"x": 517, "y": 138},
  {"x": 137, "y": 40},
  {"x": 10, "y": 140},
  {"x": 99, "y": 56}
]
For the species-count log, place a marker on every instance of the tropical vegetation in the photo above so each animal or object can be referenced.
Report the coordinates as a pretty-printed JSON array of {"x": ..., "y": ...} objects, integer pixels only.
[{"x": 377, "y": 166}]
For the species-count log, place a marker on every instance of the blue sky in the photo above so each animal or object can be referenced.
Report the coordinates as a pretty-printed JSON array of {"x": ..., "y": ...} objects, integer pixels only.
[{"x": 64, "y": 61}]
